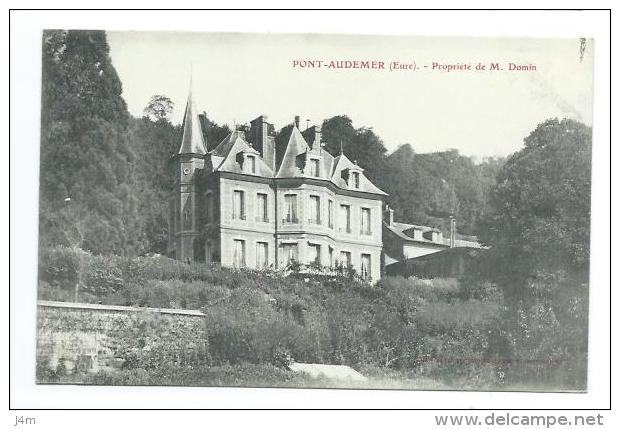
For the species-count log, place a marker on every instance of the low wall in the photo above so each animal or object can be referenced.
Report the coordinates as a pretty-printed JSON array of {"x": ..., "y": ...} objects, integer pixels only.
[{"x": 74, "y": 337}]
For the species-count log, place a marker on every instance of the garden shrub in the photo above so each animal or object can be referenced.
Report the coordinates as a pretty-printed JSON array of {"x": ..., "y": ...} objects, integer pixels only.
[
  {"x": 60, "y": 266},
  {"x": 102, "y": 275},
  {"x": 250, "y": 329}
]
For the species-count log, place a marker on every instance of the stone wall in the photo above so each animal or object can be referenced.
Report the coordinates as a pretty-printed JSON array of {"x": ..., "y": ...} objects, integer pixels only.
[{"x": 76, "y": 338}]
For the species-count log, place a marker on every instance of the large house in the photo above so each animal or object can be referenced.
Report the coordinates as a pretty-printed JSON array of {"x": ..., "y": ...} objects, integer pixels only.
[{"x": 247, "y": 204}]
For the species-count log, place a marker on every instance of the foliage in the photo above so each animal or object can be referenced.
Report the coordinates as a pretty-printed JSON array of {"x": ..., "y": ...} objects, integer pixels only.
[
  {"x": 428, "y": 188},
  {"x": 153, "y": 142},
  {"x": 87, "y": 179},
  {"x": 60, "y": 266},
  {"x": 538, "y": 227},
  {"x": 158, "y": 108},
  {"x": 212, "y": 132},
  {"x": 541, "y": 204},
  {"x": 456, "y": 331}
]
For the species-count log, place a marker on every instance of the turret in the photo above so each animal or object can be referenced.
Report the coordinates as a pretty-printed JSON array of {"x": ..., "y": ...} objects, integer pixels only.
[{"x": 189, "y": 158}]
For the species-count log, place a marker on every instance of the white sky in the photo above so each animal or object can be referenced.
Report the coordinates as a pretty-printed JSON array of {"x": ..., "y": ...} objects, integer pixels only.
[{"x": 237, "y": 77}]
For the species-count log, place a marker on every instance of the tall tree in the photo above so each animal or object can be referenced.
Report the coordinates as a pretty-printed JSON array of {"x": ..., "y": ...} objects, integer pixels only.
[
  {"x": 361, "y": 145},
  {"x": 86, "y": 161},
  {"x": 539, "y": 228},
  {"x": 541, "y": 203},
  {"x": 154, "y": 142}
]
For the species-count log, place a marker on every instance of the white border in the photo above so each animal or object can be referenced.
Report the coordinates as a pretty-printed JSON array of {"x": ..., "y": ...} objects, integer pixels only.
[{"x": 24, "y": 108}]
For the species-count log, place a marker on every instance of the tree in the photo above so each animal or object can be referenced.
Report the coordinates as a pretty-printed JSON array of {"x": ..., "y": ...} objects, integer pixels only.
[
  {"x": 541, "y": 204},
  {"x": 428, "y": 188},
  {"x": 212, "y": 132},
  {"x": 159, "y": 107},
  {"x": 338, "y": 132},
  {"x": 538, "y": 226},
  {"x": 85, "y": 151},
  {"x": 154, "y": 143}
]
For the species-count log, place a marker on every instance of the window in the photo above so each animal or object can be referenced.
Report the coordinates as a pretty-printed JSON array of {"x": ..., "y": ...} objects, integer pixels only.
[
  {"x": 209, "y": 207},
  {"x": 330, "y": 214},
  {"x": 289, "y": 253},
  {"x": 187, "y": 214},
  {"x": 356, "y": 179},
  {"x": 314, "y": 167},
  {"x": 365, "y": 222},
  {"x": 330, "y": 251},
  {"x": 238, "y": 205},
  {"x": 345, "y": 259},
  {"x": 239, "y": 253},
  {"x": 261, "y": 208},
  {"x": 290, "y": 208},
  {"x": 314, "y": 253},
  {"x": 365, "y": 266},
  {"x": 262, "y": 260},
  {"x": 250, "y": 164},
  {"x": 346, "y": 218},
  {"x": 315, "y": 209}
]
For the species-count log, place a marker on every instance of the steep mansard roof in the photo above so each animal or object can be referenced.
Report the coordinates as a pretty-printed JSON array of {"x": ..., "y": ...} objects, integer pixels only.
[
  {"x": 192, "y": 140},
  {"x": 293, "y": 160},
  {"x": 336, "y": 170},
  {"x": 342, "y": 167},
  {"x": 228, "y": 154}
]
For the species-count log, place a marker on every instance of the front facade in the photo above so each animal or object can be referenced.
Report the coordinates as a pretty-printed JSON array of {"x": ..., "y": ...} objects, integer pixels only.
[{"x": 244, "y": 204}]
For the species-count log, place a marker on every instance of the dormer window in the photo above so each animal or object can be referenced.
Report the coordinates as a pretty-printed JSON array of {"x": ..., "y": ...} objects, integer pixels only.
[
  {"x": 251, "y": 164},
  {"x": 352, "y": 176},
  {"x": 314, "y": 167},
  {"x": 247, "y": 160},
  {"x": 355, "y": 176}
]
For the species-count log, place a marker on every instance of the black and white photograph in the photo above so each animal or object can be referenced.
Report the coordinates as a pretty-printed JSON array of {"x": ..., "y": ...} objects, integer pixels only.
[{"x": 314, "y": 211}]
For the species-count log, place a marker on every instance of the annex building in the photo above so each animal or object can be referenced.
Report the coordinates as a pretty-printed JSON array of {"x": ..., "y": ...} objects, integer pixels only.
[{"x": 246, "y": 203}]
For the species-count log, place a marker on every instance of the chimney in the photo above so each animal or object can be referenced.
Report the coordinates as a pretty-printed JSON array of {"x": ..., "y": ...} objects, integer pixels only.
[
  {"x": 241, "y": 130},
  {"x": 389, "y": 214},
  {"x": 261, "y": 136},
  {"x": 297, "y": 121},
  {"x": 312, "y": 136},
  {"x": 452, "y": 231}
]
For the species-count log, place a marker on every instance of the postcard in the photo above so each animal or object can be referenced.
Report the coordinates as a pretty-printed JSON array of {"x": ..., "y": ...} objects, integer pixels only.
[{"x": 314, "y": 211}]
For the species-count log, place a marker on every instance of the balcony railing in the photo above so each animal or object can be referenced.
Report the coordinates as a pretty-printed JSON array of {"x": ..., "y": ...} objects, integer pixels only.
[{"x": 290, "y": 219}]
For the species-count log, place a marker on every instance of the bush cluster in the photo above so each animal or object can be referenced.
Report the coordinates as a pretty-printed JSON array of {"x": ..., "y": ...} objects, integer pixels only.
[{"x": 456, "y": 331}]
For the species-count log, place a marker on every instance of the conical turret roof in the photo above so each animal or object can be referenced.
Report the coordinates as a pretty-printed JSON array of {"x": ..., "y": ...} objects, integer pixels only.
[{"x": 192, "y": 141}]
